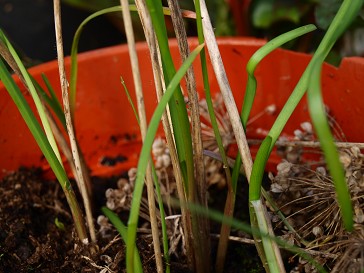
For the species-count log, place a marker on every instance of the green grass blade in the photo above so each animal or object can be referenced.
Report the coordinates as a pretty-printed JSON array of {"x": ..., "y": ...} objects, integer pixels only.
[
  {"x": 122, "y": 229},
  {"x": 157, "y": 189},
  {"x": 130, "y": 100},
  {"x": 30, "y": 119},
  {"x": 322, "y": 127},
  {"x": 44, "y": 146},
  {"x": 207, "y": 89},
  {"x": 257, "y": 57},
  {"x": 74, "y": 51},
  {"x": 57, "y": 103},
  {"x": 163, "y": 220},
  {"x": 256, "y": 177},
  {"x": 33, "y": 92},
  {"x": 251, "y": 86},
  {"x": 177, "y": 107},
  {"x": 346, "y": 14},
  {"x": 145, "y": 155},
  {"x": 257, "y": 212},
  {"x": 51, "y": 101}
]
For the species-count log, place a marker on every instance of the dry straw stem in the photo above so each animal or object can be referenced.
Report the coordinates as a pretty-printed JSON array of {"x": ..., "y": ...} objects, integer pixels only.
[
  {"x": 143, "y": 127},
  {"x": 181, "y": 36},
  {"x": 71, "y": 134},
  {"x": 308, "y": 251},
  {"x": 225, "y": 89},
  {"x": 238, "y": 129},
  {"x": 159, "y": 85},
  {"x": 309, "y": 144},
  {"x": 202, "y": 243}
]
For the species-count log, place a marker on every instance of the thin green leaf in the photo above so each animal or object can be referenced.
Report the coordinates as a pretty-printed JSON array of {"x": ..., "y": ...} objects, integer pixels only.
[
  {"x": 54, "y": 104},
  {"x": 319, "y": 120},
  {"x": 163, "y": 220},
  {"x": 145, "y": 155},
  {"x": 44, "y": 146},
  {"x": 157, "y": 189},
  {"x": 34, "y": 94},
  {"x": 257, "y": 215},
  {"x": 251, "y": 86},
  {"x": 180, "y": 121},
  {"x": 122, "y": 229},
  {"x": 54, "y": 98},
  {"x": 256, "y": 177},
  {"x": 59, "y": 224},
  {"x": 130, "y": 100},
  {"x": 257, "y": 57}
]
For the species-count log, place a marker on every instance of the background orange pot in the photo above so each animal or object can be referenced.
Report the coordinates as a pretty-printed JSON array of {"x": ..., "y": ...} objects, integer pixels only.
[{"x": 106, "y": 126}]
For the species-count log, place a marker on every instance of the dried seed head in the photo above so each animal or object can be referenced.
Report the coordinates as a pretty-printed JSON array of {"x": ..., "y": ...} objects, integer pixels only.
[
  {"x": 359, "y": 215},
  {"x": 132, "y": 174},
  {"x": 271, "y": 109},
  {"x": 317, "y": 231},
  {"x": 276, "y": 188},
  {"x": 321, "y": 171},
  {"x": 102, "y": 220},
  {"x": 222, "y": 182},
  {"x": 158, "y": 147},
  {"x": 307, "y": 127},
  {"x": 166, "y": 160},
  {"x": 358, "y": 175},
  {"x": 298, "y": 134},
  {"x": 110, "y": 204},
  {"x": 109, "y": 193},
  {"x": 284, "y": 167},
  {"x": 345, "y": 159},
  {"x": 355, "y": 150},
  {"x": 122, "y": 182}
]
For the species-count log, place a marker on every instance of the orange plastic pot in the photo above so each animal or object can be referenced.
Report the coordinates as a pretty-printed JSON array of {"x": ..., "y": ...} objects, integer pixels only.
[{"x": 105, "y": 123}]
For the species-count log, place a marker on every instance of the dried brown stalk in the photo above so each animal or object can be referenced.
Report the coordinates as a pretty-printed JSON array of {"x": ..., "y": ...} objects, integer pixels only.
[
  {"x": 238, "y": 129},
  {"x": 201, "y": 228},
  {"x": 74, "y": 148},
  {"x": 159, "y": 84},
  {"x": 143, "y": 128},
  {"x": 312, "y": 144}
]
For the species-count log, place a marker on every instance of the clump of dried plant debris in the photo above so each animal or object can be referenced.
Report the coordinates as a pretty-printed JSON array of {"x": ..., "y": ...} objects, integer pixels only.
[{"x": 306, "y": 195}]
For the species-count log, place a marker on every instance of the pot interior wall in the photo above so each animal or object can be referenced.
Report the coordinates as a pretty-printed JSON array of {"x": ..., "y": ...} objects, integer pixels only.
[{"x": 106, "y": 125}]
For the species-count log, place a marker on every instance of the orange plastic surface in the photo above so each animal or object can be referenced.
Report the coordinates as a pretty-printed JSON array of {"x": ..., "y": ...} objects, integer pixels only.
[{"x": 105, "y": 123}]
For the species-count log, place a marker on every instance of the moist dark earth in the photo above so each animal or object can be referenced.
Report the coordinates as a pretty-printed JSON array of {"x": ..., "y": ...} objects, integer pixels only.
[{"x": 37, "y": 234}]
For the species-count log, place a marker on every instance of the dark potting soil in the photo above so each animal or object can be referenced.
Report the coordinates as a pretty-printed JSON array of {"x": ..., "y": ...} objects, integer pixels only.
[{"x": 37, "y": 233}]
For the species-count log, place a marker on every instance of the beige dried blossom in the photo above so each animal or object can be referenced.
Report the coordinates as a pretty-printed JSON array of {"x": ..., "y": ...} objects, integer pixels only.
[
  {"x": 105, "y": 226},
  {"x": 120, "y": 198}
]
